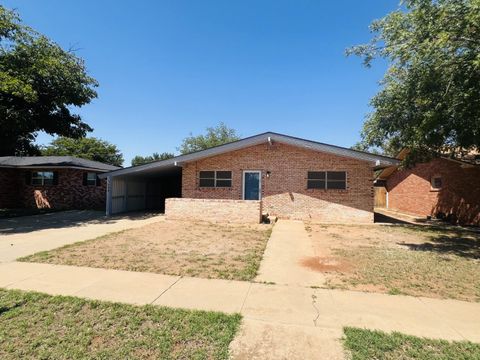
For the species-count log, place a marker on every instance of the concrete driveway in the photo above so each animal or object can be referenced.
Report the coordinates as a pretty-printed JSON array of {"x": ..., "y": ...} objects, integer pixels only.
[{"x": 22, "y": 236}]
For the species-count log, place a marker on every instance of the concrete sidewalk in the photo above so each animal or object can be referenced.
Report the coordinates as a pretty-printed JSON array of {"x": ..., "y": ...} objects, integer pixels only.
[
  {"x": 293, "y": 306},
  {"x": 30, "y": 234},
  {"x": 289, "y": 246}
]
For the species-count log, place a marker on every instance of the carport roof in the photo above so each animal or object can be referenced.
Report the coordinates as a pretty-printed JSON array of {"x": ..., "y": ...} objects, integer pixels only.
[{"x": 378, "y": 161}]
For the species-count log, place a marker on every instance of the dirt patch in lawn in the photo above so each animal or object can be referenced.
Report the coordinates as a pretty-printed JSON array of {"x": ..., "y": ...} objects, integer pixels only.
[
  {"x": 225, "y": 251},
  {"x": 325, "y": 264},
  {"x": 401, "y": 259}
]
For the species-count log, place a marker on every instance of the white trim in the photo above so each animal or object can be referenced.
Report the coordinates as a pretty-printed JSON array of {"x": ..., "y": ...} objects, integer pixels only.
[
  {"x": 259, "y": 183},
  {"x": 386, "y": 198}
]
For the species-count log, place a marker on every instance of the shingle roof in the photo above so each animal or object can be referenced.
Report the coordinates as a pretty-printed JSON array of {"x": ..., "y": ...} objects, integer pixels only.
[
  {"x": 377, "y": 161},
  {"x": 61, "y": 161}
]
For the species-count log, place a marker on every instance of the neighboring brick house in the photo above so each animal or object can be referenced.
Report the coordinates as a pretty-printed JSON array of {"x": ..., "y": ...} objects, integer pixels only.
[
  {"x": 57, "y": 182},
  {"x": 270, "y": 173},
  {"x": 443, "y": 187}
]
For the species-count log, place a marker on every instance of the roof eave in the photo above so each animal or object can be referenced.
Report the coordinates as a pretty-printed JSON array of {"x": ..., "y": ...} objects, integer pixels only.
[{"x": 268, "y": 137}]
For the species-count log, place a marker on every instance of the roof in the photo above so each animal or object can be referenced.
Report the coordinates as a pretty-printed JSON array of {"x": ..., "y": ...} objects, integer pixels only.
[
  {"x": 377, "y": 161},
  {"x": 54, "y": 161}
]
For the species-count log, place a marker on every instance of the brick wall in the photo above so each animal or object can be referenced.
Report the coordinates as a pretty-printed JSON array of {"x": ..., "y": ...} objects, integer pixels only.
[
  {"x": 215, "y": 210},
  {"x": 9, "y": 188},
  {"x": 285, "y": 192},
  {"x": 410, "y": 191},
  {"x": 69, "y": 193}
]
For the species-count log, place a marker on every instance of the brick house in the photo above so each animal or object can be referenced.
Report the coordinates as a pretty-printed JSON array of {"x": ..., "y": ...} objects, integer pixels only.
[
  {"x": 443, "y": 187},
  {"x": 57, "y": 182},
  {"x": 268, "y": 173}
]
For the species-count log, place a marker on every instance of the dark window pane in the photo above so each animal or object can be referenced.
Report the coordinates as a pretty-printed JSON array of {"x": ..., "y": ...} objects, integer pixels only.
[
  {"x": 224, "y": 174},
  {"x": 319, "y": 175},
  {"x": 336, "y": 185},
  {"x": 207, "y": 182},
  {"x": 316, "y": 184},
  {"x": 207, "y": 174},
  {"x": 36, "y": 181},
  {"x": 48, "y": 174},
  {"x": 47, "y": 177},
  {"x": 437, "y": 183},
  {"x": 224, "y": 183},
  {"x": 336, "y": 175}
]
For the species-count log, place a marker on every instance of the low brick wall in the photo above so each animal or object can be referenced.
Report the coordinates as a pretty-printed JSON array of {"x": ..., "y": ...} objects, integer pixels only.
[
  {"x": 302, "y": 207},
  {"x": 215, "y": 210}
]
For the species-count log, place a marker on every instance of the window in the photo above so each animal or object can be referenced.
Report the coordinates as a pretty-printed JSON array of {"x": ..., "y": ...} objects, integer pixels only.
[
  {"x": 327, "y": 180},
  {"x": 42, "y": 178},
  {"x": 91, "y": 178},
  {"x": 436, "y": 182},
  {"x": 215, "y": 179}
]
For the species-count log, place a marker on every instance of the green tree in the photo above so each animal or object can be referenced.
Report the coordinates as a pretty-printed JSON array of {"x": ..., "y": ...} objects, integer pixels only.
[
  {"x": 218, "y": 135},
  {"x": 140, "y": 160},
  {"x": 85, "y": 148},
  {"x": 40, "y": 84},
  {"x": 429, "y": 99}
]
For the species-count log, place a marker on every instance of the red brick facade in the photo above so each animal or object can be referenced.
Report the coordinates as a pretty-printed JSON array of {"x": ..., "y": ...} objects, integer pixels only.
[
  {"x": 284, "y": 192},
  {"x": 10, "y": 186},
  {"x": 69, "y": 193},
  {"x": 410, "y": 191}
]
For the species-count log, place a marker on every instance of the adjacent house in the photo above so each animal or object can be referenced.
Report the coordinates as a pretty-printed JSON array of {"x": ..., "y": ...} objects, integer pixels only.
[
  {"x": 444, "y": 187},
  {"x": 57, "y": 182},
  {"x": 269, "y": 174}
]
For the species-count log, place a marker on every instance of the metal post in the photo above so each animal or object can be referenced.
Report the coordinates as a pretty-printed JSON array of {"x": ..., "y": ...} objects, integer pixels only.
[{"x": 109, "y": 196}]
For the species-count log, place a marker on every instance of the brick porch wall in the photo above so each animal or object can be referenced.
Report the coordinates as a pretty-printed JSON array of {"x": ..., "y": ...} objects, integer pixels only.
[
  {"x": 285, "y": 193},
  {"x": 215, "y": 210},
  {"x": 69, "y": 193},
  {"x": 409, "y": 191}
]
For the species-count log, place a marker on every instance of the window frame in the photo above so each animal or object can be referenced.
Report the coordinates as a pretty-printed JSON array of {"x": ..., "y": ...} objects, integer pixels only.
[
  {"x": 325, "y": 180},
  {"x": 433, "y": 187},
  {"x": 42, "y": 178},
  {"x": 88, "y": 181},
  {"x": 215, "y": 179}
]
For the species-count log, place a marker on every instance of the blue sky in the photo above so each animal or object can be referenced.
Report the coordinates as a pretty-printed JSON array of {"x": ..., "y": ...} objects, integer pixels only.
[{"x": 168, "y": 68}]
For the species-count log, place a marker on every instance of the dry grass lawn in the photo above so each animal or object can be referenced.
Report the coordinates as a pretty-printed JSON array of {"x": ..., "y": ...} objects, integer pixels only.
[
  {"x": 225, "y": 251},
  {"x": 403, "y": 259}
]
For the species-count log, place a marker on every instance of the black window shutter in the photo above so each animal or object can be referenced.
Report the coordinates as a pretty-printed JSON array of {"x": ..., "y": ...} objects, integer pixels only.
[
  {"x": 85, "y": 174},
  {"x": 55, "y": 178},
  {"x": 28, "y": 177},
  {"x": 99, "y": 182}
]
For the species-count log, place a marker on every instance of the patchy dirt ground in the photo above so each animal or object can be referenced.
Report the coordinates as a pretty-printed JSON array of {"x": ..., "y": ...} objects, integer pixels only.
[
  {"x": 401, "y": 259},
  {"x": 225, "y": 251}
]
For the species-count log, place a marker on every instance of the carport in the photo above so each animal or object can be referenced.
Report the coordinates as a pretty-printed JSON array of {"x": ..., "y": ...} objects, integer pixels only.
[{"x": 143, "y": 187}]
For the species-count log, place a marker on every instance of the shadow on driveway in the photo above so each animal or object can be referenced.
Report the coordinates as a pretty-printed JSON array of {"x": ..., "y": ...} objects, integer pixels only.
[{"x": 62, "y": 219}]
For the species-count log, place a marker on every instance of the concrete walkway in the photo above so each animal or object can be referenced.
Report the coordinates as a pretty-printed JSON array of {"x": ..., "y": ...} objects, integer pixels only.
[
  {"x": 281, "y": 321},
  {"x": 27, "y": 235},
  {"x": 287, "y": 248}
]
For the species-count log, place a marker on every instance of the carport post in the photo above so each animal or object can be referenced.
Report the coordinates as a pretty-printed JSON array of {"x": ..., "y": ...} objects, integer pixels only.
[{"x": 108, "y": 211}]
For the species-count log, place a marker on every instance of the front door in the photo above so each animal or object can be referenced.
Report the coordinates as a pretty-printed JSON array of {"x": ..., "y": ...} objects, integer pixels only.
[{"x": 251, "y": 185}]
